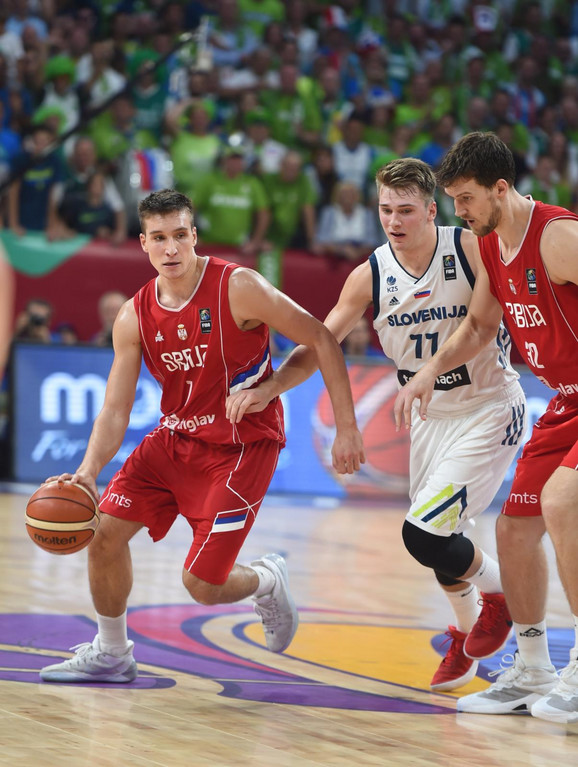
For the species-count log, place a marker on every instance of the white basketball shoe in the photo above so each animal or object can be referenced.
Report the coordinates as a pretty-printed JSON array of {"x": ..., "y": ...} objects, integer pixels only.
[
  {"x": 90, "y": 664},
  {"x": 277, "y": 610},
  {"x": 515, "y": 690},
  {"x": 561, "y": 703}
]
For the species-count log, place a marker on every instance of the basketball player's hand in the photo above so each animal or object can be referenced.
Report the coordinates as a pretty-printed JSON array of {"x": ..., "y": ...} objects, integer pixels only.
[
  {"x": 419, "y": 387},
  {"x": 79, "y": 479},
  {"x": 347, "y": 452},
  {"x": 246, "y": 401}
]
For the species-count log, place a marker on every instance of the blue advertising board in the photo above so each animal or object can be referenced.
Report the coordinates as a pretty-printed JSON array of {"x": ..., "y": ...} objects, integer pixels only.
[{"x": 58, "y": 392}]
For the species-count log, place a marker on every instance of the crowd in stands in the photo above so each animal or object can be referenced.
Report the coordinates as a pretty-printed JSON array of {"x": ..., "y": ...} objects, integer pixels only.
[{"x": 272, "y": 115}]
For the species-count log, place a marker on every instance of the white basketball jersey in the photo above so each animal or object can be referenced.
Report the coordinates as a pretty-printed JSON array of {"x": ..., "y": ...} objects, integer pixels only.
[{"x": 413, "y": 316}]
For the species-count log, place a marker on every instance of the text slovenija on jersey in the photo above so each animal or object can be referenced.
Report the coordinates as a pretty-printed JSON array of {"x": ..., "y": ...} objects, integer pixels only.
[
  {"x": 413, "y": 316},
  {"x": 199, "y": 355},
  {"x": 542, "y": 316}
]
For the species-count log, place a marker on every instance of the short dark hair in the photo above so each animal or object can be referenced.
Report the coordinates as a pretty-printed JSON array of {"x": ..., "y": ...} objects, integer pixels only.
[
  {"x": 480, "y": 156},
  {"x": 408, "y": 174},
  {"x": 163, "y": 202}
]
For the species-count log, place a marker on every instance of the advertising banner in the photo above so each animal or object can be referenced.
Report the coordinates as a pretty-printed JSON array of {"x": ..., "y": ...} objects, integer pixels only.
[{"x": 58, "y": 392}]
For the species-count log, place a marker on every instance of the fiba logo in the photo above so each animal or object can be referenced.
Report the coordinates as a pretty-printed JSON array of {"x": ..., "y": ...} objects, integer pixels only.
[{"x": 386, "y": 451}]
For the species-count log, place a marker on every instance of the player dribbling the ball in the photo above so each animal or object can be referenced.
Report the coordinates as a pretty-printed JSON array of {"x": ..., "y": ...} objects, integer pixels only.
[{"x": 201, "y": 327}]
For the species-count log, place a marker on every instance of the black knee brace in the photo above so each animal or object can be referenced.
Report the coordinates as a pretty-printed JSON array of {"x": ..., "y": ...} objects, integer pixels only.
[
  {"x": 445, "y": 580},
  {"x": 449, "y": 555}
]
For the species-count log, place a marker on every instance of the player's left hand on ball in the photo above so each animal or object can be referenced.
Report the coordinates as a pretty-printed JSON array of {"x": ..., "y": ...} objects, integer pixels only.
[
  {"x": 88, "y": 481},
  {"x": 66, "y": 477}
]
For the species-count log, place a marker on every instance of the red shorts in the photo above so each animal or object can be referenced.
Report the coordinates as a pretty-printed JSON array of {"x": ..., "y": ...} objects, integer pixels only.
[
  {"x": 554, "y": 443},
  {"x": 217, "y": 488}
]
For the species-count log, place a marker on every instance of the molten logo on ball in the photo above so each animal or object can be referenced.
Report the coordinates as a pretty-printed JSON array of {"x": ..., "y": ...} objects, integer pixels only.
[
  {"x": 42, "y": 540},
  {"x": 62, "y": 517}
]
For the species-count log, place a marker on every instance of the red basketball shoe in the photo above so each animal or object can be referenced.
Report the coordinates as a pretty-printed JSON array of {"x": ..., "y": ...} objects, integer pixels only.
[
  {"x": 492, "y": 629},
  {"x": 456, "y": 669}
]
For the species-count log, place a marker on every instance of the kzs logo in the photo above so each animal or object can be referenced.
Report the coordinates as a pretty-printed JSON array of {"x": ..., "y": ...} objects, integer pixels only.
[{"x": 391, "y": 286}]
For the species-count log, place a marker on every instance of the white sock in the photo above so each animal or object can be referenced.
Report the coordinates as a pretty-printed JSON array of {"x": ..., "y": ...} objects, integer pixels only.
[
  {"x": 533, "y": 643},
  {"x": 112, "y": 634},
  {"x": 487, "y": 579},
  {"x": 465, "y": 606},
  {"x": 266, "y": 581}
]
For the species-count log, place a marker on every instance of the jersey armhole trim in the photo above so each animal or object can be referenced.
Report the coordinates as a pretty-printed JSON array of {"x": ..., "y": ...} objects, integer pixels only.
[
  {"x": 462, "y": 256},
  {"x": 375, "y": 284}
]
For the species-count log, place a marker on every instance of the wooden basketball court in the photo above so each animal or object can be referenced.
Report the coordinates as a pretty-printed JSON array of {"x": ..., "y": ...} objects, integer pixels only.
[{"x": 351, "y": 690}]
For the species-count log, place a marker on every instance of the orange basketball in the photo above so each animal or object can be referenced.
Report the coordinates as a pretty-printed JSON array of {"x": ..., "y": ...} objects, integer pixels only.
[{"x": 62, "y": 517}]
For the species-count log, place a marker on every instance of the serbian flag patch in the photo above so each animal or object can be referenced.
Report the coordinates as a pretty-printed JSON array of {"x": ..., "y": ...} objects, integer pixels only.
[
  {"x": 229, "y": 520},
  {"x": 422, "y": 294}
]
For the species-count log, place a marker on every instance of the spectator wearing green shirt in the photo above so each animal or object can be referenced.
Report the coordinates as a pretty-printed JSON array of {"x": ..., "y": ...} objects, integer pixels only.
[
  {"x": 416, "y": 109},
  {"x": 292, "y": 200},
  {"x": 149, "y": 92},
  {"x": 194, "y": 149},
  {"x": 295, "y": 115},
  {"x": 475, "y": 84},
  {"x": 232, "y": 205},
  {"x": 442, "y": 96},
  {"x": 115, "y": 132},
  {"x": 569, "y": 117}
]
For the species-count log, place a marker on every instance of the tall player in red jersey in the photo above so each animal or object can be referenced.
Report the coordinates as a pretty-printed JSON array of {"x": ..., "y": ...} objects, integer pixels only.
[
  {"x": 201, "y": 327},
  {"x": 530, "y": 254}
]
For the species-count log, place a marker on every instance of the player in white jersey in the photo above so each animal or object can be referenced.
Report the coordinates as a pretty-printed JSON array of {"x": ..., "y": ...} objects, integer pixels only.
[{"x": 420, "y": 284}]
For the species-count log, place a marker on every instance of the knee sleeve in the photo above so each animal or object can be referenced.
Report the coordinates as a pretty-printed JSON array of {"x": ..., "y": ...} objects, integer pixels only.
[
  {"x": 449, "y": 555},
  {"x": 446, "y": 580}
]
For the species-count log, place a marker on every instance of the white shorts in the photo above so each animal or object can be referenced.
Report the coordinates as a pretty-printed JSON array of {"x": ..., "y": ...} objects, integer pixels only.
[{"x": 457, "y": 464}]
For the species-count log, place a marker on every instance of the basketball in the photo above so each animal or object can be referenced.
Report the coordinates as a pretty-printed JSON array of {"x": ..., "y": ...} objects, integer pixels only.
[{"x": 62, "y": 517}]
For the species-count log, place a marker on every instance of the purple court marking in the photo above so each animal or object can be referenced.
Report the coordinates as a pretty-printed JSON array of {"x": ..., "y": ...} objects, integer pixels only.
[{"x": 171, "y": 638}]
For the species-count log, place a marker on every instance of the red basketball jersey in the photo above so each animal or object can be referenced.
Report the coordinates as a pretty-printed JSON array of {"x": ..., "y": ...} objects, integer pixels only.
[
  {"x": 542, "y": 317},
  {"x": 198, "y": 355}
]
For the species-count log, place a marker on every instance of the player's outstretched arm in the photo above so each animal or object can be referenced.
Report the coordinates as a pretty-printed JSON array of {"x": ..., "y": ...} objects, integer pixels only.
[
  {"x": 302, "y": 362},
  {"x": 254, "y": 300},
  {"x": 476, "y": 331},
  {"x": 111, "y": 423}
]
